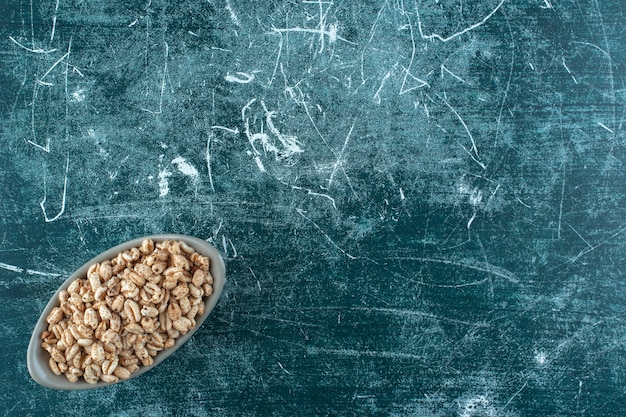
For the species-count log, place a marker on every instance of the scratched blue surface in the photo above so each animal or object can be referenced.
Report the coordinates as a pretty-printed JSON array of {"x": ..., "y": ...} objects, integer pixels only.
[{"x": 421, "y": 204}]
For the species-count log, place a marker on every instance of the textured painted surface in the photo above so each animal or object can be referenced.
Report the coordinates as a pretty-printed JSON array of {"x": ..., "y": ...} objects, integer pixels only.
[{"x": 421, "y": 204}]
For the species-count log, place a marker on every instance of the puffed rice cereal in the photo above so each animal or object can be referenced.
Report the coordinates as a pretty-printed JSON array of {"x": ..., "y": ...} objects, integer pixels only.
[{"x": 126, "y": 310}]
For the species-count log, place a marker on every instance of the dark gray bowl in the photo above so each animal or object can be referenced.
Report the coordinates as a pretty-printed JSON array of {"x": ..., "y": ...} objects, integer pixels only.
[{"x": 37, "y": 358}]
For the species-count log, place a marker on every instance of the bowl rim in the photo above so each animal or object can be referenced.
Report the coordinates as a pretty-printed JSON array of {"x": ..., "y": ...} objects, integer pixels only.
[{"x": 37, "y": 358}]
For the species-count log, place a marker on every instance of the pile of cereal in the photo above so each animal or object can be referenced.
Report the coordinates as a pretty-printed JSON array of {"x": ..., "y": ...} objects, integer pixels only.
[{"x": 126, "y": 311}]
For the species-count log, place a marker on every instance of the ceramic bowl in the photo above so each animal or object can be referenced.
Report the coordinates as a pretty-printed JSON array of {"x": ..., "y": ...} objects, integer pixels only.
[{"x": 38, "y": 358}]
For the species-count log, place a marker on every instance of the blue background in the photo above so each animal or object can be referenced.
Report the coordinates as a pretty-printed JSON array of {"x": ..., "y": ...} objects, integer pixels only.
[{"x": 421, "y": 204}]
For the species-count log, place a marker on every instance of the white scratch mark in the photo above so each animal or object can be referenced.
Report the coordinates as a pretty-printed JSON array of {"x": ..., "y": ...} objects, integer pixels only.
[
  {"x": 603, "y": 242},
  {"x": 240, "y": 77},
  {"x": 78, "y": 96},
  {"x": 163, "y": 83},
  {"x": 561, "y": 204},
  {"x": 479, "y": 405},
  {"x": 517, "y": 392},
  {"x": 402, "y": 197},
  {"x": 340, "y": 159},
  {"x": 46, "y": 83},
  {"x": 331, "y": 33},
  {"x": 407, "y": 313},
  {"x": 11, "y": 267},
  {"x": 33, "y": 50},
  {"x": 77, "y": 71},
  {"x": 322, "y": 21},
  {"x": 234, "y": 131},
  {"x": 540, "y": 358},
  {"x": 233, "y": 247},
  {"x": 290, "y": 143},
  {"x": 301, "y": 212},
  {"x": 207, "y": 156},
  {"x": 508, "y": 82},
  {"x": 283, "y": 368},
  {"x": 602, "y": 125},
  {"x": 255, "y": 277},
  {"x": 468, "y": 263},
  {"x": 40, "y": 80},
  {"x": 219, "y": 227},
  {"x": 365, "y": 353},
  {"x": 220, "y": 49},
  {"x": 372, "y": 33},
  {"x": 382, "y": 84},
  {"x": 32, "y": 24},
  {"x": 467, "y": 29},
  {"x": 605, "y": 53},
  {"x": 253, "y": 137},
  {"x": 259, "y": 163},
  {"x": 612, "y": 89},
  {"x": 475, "y": 157},
  {"x": 569, "y": 72},
  {"x": 42, "y": 204},
  {"x": 420, "y": 83},
  {"x": 565, "y": 65},
  {"x": 42, "y": 273},
  {"x": 165, "y": 75},
  {"x": 43, "y": 148},
  {"x": 443, "y": 68},
  {"x": 580, "y": 236},
  {"x": 311, "y": 192},
  {"x": 471, "y": 220},
  {"x": 522, "y": 203},
  {"x": 14, "y": 268},
  {"x": 246, "y": 108},
  {"x": 164, "y": 186},
  {"x": 224, "y": 245},
  {"x": 233, "y": 16},
  {"x": 185, "y": 168},
  {"x": 457, "y": 286},
  {"x": 277, "y": 62},
  {"x": 54, "y": 21}
]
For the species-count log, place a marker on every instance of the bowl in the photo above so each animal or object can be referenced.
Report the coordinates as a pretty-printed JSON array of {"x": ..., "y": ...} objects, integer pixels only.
[{"x": 38, "y": 359}]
